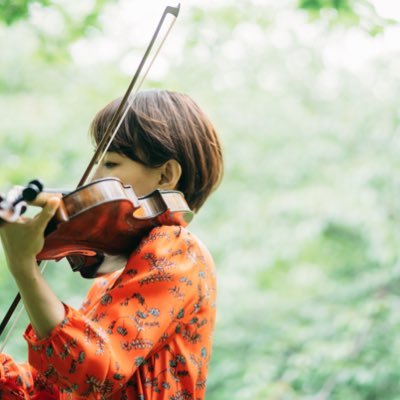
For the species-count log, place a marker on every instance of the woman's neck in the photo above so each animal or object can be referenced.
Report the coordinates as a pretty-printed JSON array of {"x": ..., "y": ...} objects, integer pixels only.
[{"x": 112, "y": 264}]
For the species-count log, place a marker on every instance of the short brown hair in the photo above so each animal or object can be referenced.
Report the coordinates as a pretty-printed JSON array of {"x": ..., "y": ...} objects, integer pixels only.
[{"x": 163, "y": 125}]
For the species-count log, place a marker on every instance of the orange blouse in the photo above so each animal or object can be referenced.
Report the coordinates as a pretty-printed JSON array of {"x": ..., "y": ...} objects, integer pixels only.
[{"x": 143, "y": 333}]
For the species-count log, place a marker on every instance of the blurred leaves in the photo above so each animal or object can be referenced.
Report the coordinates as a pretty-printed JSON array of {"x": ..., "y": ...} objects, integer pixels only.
[
  {"x": 347, "y": 12},
  {"x": 67, "y": 24},
  {"x": 12, "y": 11}
]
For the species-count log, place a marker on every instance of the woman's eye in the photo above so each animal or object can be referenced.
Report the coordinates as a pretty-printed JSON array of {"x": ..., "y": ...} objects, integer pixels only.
[{"x": 110, "y": 164}]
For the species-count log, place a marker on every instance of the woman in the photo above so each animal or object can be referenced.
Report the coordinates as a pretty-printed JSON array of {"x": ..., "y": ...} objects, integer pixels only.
[{"x": 144, "y": 331}]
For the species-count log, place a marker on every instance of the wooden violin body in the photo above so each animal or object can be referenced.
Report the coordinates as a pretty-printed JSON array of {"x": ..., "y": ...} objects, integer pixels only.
[{"x": 89, "y": 216}]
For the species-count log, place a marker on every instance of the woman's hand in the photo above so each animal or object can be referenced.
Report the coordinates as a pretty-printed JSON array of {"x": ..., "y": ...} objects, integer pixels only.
[{"x": 23, "y": 239}]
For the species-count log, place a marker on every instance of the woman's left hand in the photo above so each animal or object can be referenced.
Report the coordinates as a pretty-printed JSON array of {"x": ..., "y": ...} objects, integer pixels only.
[{"x": 24, "y": 239}]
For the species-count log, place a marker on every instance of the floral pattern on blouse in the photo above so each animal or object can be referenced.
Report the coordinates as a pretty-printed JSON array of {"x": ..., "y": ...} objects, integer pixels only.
[{"x": 143, "y": 333}]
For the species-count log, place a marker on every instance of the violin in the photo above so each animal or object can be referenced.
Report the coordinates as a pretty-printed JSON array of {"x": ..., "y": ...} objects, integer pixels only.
[{"x": 92, "y": 214}]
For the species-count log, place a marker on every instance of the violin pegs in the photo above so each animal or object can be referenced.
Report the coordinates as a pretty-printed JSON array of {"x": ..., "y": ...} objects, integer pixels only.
[
  {"x": 37, "y": 183},
  {"x": 32, "y": 190}
]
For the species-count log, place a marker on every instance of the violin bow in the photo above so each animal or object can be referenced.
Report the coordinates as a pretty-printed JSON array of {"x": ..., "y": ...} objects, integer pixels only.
[
  {"x": 112, "y": 128},
  {"x": 130, "y": 93}
]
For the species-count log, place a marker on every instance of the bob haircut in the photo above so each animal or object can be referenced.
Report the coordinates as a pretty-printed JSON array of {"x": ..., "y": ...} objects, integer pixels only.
[{"x": 162, "y": 125}]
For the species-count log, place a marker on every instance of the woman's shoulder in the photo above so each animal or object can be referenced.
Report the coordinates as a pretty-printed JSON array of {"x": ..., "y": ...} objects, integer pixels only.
[
  {"x": 174, "y": 243},
  {"x": 164, "y": 237}
]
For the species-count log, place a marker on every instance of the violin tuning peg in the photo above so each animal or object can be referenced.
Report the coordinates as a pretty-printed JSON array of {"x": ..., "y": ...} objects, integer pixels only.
[
  {"x": 30, "y": 192},
  {"x": 37, "y": 183}
]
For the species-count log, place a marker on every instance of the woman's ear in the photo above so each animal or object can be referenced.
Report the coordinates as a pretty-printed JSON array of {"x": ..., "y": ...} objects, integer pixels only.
[{"x": 171, "y": 172}]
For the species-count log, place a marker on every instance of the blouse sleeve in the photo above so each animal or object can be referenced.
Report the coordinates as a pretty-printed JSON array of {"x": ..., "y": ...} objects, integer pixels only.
[
  {"x": 99, "y": 352},
  {"x": 19, "y": 381}
]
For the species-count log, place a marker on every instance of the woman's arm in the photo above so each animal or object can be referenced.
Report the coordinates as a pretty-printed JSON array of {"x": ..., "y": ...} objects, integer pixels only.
[
  {"x": 22, "y": 241},
  {"x": 44, "y": 309}
]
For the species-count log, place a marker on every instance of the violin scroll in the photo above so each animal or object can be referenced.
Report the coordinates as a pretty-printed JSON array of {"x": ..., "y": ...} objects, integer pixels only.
[{"x": 14, "y": 204}]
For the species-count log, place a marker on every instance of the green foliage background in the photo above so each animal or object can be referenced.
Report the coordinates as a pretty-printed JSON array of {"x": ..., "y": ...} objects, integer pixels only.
[{"x": 305, "y": 226}]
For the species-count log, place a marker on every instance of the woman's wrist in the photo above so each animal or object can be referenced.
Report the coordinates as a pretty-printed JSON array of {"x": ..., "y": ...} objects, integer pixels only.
[{"x": 23, "y": 267}]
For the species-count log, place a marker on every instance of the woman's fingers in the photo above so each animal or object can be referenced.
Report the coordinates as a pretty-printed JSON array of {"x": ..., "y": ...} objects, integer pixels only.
[
  {"x": 49, "y": 209},
  {"x": 42, "y": 199}
]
